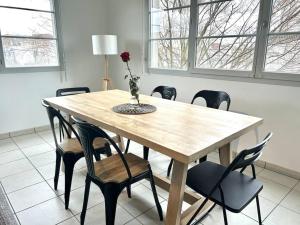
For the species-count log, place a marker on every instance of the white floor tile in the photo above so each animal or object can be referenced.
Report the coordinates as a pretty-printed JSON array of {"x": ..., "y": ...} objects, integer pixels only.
[
  {"x": 48, "y": 171},
  {"x": 273, "y": 191},
  {"x": 43, "y": 159},
  {"x": 151, "y": 217},
  {"x": 76, "y": 198},
  {"x": 215, "y": 217},
  {"x": 11, "y": 156},
  {"x": 266, "y": 207},
  {"x": 48, "y": 213},
  {"x": 142, "y": 200},
  {"x": 28, "y": 140},
  {"x": 80, "y": 164},
  {"x": 134, "y": 222},
  {"x": 47, "y": 135},
  {"x": 72, "y": 221},
  {"x": 78, "y": 181},
  {"x": 297, "y": 187},
  {"x": 21, "y": 180},
  {"x": 161, "y": 192},
  {"x": 30, "y": 196},
  {"x": 96, "y": 215},
  {"x": 37, "y": 149},
  {"x": 283, "y": 216},
  {"x": 278, "y": 178},
  {"x": 161, "y": 162},
  {"x": 15, "y": 167},
  {"x": 292, "y": 201},
  {"x": 7, "y": 145}
]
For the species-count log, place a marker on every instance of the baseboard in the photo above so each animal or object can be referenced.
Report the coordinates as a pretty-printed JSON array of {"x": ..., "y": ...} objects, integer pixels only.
[
  {"x": 26, "y": 131},
  {"x": 21, "y": 132},
  {"x": 282, "y": 170},
  {"x": 4, "y": 136}
]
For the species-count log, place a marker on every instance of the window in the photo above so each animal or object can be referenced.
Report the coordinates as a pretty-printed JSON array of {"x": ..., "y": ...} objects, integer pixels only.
[
  {"x": 170, "y": 20},
  {"x": 28, "y": 34},
  {"x": 226, "y": 34},
  {"x": 252, "y": 38},
  {"x": 283, "y": 48}
]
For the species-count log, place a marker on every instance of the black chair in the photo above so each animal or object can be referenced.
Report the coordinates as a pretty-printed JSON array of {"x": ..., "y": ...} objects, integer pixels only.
[
  {"x": 111, "y": 174},
  {"x": 69, "y": 91},
  {"x": 225, "y": 186},
  {"x": 166, "y": 92},
  {"x": 69, "y": 149},
  {"x": 213, "y": 99},
  {"x": 72, "y": 91}
]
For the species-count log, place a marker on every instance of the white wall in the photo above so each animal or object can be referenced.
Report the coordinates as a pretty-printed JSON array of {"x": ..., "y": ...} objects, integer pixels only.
[
  {"x": 20, "y": 94},
  {"x": 278, "y": 105}
]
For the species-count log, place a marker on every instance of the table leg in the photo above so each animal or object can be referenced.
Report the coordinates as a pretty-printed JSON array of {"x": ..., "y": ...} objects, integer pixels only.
[
  {"x": 146, "y": 152},
  {"x": 121, "y": 143},
  {"x": 225, "y": 155},
  {"x": 176, "y": 193}
]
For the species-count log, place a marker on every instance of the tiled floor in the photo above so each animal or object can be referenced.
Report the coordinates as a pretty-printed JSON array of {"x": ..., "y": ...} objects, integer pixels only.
[{"x": 27, "y": 170}]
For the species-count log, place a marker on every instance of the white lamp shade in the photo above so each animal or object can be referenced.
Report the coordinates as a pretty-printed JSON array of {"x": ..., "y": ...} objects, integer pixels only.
[{"x": 105, "y": 44}]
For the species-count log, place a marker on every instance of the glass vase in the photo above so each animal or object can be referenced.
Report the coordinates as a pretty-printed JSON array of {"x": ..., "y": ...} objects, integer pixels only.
[{"x": 134, "y": 90}]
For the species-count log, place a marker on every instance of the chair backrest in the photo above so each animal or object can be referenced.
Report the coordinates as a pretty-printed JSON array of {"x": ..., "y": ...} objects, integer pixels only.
[
  {"x": 72, "y": 91},
  {"x": 213, "y": 98},
  {"x": 166, "y": 92},
  {"x": 88, "y": 133},
  {"x": 64, "y": 124},
  {"x": 244, "y": 159}
]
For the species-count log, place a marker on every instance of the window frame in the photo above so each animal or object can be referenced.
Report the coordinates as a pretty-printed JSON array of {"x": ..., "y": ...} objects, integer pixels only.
[
  {"x": 58, "y": 39},
  {"x": 257, "y": 73}
]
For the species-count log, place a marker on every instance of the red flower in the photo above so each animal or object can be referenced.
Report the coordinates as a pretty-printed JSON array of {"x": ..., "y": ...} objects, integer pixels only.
[{"x": 125, "y": 56}]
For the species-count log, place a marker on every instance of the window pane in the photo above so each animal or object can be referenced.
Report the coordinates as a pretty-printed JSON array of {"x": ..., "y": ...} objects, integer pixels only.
[
  {"x": 283, "y": 54},
  {"x": 170, "y": 24},
  {"x": 19, "y": 52},
  {"x": 15, "y": 22},
  {"x": 168, "y": 4},
  {"x": 225, "y": 53},
  {"x": 31, "y": 4},
  {"x": 169, "y": 54},
  {"x": 234, "y": 17},
  {"x": 285, "y": 16}
]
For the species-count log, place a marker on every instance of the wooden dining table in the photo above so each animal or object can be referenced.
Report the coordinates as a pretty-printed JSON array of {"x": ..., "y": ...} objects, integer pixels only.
[{"x": 179, "y": 130}]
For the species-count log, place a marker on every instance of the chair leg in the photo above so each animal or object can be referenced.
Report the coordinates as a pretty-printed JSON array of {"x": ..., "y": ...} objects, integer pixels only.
[
  {"x": 111, "y": 197},
  {"x": 170, "y": 167},
  {"x": 158, "y": 206},
  {"x": 85, "y": 200},
  {"x": 146, "y": 153},
  {"x": 129, "y": 191},
  {"x": 57, "y": 168},
  {"x": 127, "y": 146},
  {"x": 97, "y": 155},
  {"x": 225, "y": 215},
  {"x": 203, "y": 159},
  {"x": 258, "y": 211},
  {"x": 69, "y": 168}
]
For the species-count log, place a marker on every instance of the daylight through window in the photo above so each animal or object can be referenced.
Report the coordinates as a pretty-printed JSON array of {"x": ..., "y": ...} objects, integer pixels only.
[
  {"x": 254, "y": 38},
  {"x": 28, "y": 33}
]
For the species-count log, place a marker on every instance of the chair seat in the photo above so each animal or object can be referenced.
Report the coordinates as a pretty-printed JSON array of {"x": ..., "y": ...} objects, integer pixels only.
[
  {"x": 112, "y": 169},
  {"x": 239, "y": 189},
  {"x": 73, "y": 145}
]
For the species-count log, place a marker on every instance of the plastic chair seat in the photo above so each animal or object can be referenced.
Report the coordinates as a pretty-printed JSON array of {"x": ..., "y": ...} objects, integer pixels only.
[{"x": 239, "y": 189}]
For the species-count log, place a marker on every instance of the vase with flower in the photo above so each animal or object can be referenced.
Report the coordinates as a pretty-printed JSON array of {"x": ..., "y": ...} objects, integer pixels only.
[{"x": 134, "y": 88}]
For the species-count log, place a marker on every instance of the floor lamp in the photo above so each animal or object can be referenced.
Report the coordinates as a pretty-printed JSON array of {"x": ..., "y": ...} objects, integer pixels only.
[{"x": 105, "y": 45}]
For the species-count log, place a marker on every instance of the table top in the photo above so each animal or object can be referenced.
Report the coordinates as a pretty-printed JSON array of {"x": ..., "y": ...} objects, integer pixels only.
[{"x": 182, "y": 131}]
